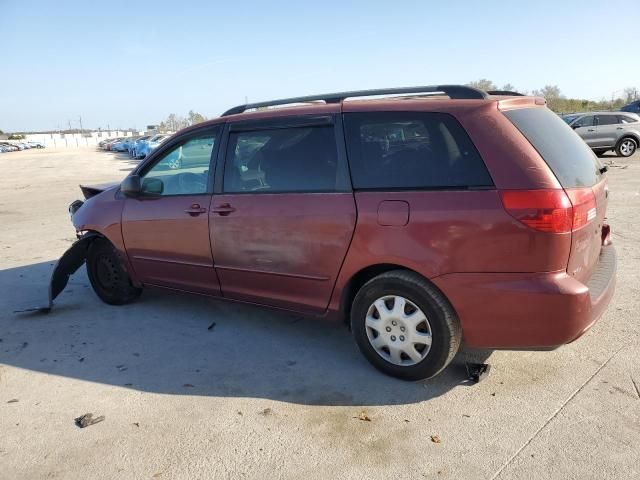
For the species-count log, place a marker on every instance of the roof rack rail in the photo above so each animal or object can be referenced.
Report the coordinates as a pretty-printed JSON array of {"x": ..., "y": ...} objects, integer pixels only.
[
  {"x": 507, "y": 93},
  {"x": 453, "y": 91}
]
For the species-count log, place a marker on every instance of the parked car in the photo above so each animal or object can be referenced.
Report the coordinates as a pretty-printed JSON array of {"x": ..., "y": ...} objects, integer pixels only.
[
  {"x": 146, "y": 147},
  {"x": 109, "y": 143},
  {"x": 604, "y": 131},
  {"x": 9, "y": 147},
  {"x": 121, "y": 145},
  {"x": 34, "y": 144},
  {"x": 133, "y": 145},
  {"x": 399, "y": 214},
  {"x": 633, "y": 107}
]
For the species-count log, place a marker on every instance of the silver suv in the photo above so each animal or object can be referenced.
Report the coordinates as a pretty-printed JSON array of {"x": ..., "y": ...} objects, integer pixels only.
[{"x": 604, "y": 131}]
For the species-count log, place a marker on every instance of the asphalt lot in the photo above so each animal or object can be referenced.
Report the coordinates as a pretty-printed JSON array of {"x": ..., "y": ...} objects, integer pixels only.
[{"x": 271, "y": 395}]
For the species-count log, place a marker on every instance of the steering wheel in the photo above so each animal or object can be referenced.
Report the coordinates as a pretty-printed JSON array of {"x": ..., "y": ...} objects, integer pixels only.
[{"x": 191, "y": 183}]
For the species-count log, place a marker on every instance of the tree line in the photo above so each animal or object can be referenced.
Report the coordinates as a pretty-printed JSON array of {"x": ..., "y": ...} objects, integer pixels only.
[
  {"x": 174, "y": 122},
  {"x": 559, "y": 103}
]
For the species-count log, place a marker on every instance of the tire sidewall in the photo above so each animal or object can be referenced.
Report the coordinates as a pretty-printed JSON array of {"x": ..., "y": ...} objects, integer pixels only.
[
  {"x": 438, "y": 355},
  {"x": 124, "y": 291}
]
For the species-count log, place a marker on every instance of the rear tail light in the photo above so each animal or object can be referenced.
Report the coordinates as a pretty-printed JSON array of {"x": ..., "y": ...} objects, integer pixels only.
[
  {"x": 584, "y": 206},
  {"x": 553, "y": 211}
]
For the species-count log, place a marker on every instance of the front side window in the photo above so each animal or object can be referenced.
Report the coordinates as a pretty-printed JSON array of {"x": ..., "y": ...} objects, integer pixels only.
[
  {"x": 298, "y": 159},
  {"x": 405, "y": 150},
  {"x": 586, "y": 121},
  {"x": 183, "y": 170}
]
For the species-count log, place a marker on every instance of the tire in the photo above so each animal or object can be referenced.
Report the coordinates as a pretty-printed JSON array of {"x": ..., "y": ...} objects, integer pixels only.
[
  {"x": 626, "y": 147},
  {"x": 109, "y": 279},
  {"x": 420, "y": 296}
]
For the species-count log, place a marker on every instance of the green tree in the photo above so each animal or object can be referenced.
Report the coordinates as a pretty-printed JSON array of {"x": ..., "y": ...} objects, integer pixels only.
[
  {"x": 630, "y": 94},
  {"x": 483, "y": 84},
  {"x": 195, "y": 117}
]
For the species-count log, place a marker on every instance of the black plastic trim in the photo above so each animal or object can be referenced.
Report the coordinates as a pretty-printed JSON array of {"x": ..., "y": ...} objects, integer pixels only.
[{"x": 453, "y": 91}]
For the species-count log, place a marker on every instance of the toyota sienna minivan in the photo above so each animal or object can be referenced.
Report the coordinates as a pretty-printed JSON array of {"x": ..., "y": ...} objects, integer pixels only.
[{"x": 425, "y": 217}]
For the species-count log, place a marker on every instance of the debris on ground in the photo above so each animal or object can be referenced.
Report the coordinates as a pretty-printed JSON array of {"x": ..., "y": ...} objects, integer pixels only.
[
  {"x": 363, "y": 416},
  {"x": 87, "y": 420},
  {"x": 210, "y": 327},
  {"x": 81, "y": 359},
  {"x": 121, "y": 368},
  {"x": 13, "y": 400},
  {"x": 187, "y": 385},
  {"x": 265, "y": 412},
  {"x": 435, "y": 439},
  {"x": 291, "y": 363},
  {"x": 137, "y": 424}
]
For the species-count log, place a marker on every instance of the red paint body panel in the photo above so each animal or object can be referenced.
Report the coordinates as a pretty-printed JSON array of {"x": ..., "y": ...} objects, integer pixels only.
[
  {"x": 449, "y": 231},
  {"x": 523, "y": 310},
  {"x": 283, "y": 250},
  {"x": 168, "y": 247}
]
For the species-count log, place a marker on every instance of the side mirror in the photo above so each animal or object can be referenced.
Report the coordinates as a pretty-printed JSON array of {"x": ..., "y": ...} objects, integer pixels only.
[
  {"x": 152, "y": 186},
  {"x": 131, "y": 186},
  {"x": 576, "y": 125}
]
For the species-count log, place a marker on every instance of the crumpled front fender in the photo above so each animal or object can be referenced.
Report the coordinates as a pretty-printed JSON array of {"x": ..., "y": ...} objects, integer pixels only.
[{"x": 66, "y": 266}]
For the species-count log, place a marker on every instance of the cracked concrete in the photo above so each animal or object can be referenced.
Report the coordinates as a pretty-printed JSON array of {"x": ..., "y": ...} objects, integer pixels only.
[{"x": 181, "y": 401}]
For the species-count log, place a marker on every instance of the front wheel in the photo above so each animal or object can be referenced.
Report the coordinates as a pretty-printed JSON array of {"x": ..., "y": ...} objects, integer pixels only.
[
  {"x": 404, "y": 326},
  {"x": 626, "y": 147},
  {"x": 109, "y": 279}
]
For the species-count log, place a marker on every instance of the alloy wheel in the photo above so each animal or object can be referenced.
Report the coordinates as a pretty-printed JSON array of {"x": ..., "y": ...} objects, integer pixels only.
[{"x": 627, "y": 147}]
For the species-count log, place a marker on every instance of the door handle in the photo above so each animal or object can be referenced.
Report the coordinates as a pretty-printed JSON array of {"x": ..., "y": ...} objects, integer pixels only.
[
  {"x": 195, "y": 210},
  {"x": 223, "y": 209},
  {"x": 591, "y": 130},
  {"x": 619, "y": 128}
]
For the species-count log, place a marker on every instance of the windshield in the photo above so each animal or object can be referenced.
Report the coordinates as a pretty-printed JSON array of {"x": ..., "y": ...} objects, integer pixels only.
[{"x": 569, "y": 118}]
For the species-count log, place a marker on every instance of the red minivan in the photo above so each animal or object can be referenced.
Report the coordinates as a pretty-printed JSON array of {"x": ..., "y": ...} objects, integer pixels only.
[{"x": 429, "y": 217}]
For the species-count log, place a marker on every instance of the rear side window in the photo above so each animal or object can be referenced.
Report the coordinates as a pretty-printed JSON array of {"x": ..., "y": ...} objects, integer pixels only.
[
  {"x": 626, "y": 119},
  {"x": 412, "y": 150},
  {"x": 568, "y": 156},
  {"x": 607, "y": 119},
  {"x": 282, "y": 160}
]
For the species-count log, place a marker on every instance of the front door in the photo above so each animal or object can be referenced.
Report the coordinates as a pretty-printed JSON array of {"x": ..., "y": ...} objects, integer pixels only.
[
  {"x": 586, "y": 128},
  {"x": 166, "y": 228},
  {"x": 283, "y": 222}
]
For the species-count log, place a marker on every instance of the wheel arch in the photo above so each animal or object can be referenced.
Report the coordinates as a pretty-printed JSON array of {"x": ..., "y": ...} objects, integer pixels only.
[
  {"x": 633, "y": 136},
  {"x": 362, "y": 276}
]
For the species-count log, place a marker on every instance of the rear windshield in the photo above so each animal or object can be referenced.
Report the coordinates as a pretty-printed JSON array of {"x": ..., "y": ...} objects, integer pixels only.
[{"x": 568, "y": 156}]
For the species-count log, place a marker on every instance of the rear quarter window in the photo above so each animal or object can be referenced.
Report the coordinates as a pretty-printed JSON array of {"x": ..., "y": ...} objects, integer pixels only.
[
  {"x": 412, "y": 150},
  {"x": 567, "y": 155}
]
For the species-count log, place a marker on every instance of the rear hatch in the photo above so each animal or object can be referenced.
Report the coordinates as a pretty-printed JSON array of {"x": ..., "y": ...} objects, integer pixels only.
[{"x": 581, "y": 175}]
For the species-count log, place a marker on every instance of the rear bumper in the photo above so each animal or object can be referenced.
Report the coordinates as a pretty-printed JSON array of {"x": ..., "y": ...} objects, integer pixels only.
[{"x": 529, "y": 310}]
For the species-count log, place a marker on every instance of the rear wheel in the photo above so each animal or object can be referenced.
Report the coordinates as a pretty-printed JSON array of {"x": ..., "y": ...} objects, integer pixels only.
[
  {"x": 404, "y": 326},
  {"x": 626, "y": 147},
  {"x": 108, "y": 277}
]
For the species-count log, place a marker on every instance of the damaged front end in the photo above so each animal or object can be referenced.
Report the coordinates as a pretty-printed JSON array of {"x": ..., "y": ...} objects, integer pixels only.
[{"x": 66, "y": 266}]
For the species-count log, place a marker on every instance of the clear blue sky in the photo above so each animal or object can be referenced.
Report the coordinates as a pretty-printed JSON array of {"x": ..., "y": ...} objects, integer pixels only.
[{"x": 132, "y": 63}]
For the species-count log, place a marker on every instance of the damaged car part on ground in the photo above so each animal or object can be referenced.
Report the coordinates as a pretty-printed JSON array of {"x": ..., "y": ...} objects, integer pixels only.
[{"x": 399, "y": 214}]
